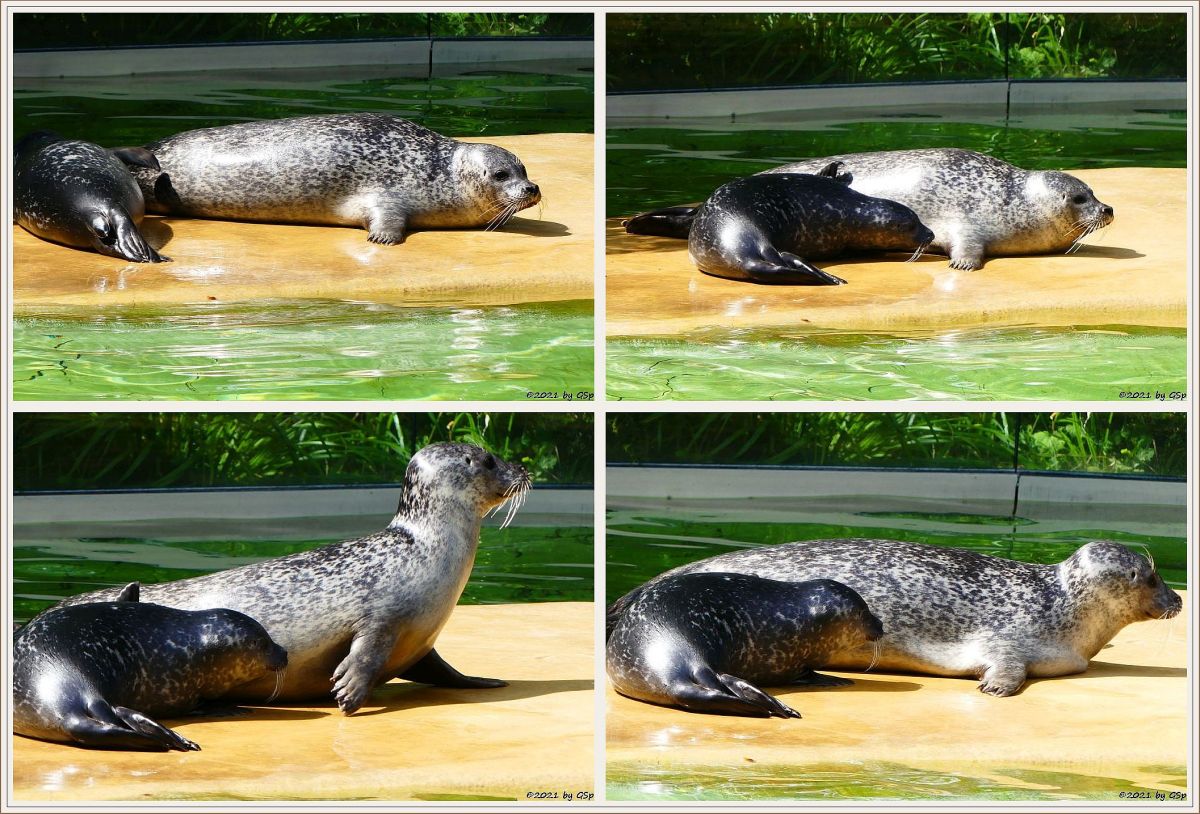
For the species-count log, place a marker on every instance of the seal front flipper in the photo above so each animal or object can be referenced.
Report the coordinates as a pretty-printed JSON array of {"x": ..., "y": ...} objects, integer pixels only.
[
  {"x": 834, "y": 170},
  {"x": 153, "y": 729},
  {"x": 672, "y": 221},
  {"x": 791, "y": 270},
  {"x": 131, "y": 245},
  {"x": 812, "y": 678},
  {"x": 708, "y": 691},
  {"x": 433, "y": 669},
  {"x": 358, "y": 672},
  {"x": 386, "y": 226},
  {"x": 130, "y": 593},
  {"x": 1003, "y": 678}
]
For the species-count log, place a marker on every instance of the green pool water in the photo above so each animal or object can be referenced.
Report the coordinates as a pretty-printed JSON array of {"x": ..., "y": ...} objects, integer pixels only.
[
  {"x": 306, "y": 349},
  {"x": 50, "y": 562},
  {"x": 652, "y": 166}
]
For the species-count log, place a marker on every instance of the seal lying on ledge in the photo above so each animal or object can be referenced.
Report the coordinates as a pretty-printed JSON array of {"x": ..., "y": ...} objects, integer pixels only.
[
  {"x": 764, "y": 228},
  {"x": 977, "y": 206},
  {"x": 92, "y": 674},
  {"x": 381, "y": 172},
  {"x": 355, "y": 614},
  {"x": 79, "y": 194},
  {"x": 952, "y": 612},
  {"x": 703, "y": 641}
]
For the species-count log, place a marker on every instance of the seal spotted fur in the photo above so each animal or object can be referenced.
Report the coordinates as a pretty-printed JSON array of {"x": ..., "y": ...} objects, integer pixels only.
[
  {"x": 373, "y": 170},
  {"x": 704, "y": 641},
  {"x": 977, "y": 206},
  {"x": 764, "y": 228},
  {"x": 355, "y": 614},
  {"x": 952, "y": 612},
  {"x": 93, "y": 674},
  {"x": 81, "y": 195}
]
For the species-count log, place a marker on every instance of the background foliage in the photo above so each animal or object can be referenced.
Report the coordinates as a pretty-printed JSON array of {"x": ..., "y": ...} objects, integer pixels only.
[
  {"x": 1143, "y": 443},
  {"x": 684, "y": 51},
  {"x": 127, "y": 450},
  {"x": 101, "y": 30}
]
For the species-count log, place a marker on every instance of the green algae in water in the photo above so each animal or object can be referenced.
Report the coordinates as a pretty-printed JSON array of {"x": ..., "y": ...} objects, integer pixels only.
[
  {"x": 993, "y": 364},
  {"x": 307, "y": 350},
  {"x": 856, "y": 781}
]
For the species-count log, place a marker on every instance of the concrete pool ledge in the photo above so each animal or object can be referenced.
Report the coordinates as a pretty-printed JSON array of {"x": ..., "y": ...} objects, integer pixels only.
[
  {"x": 409, "y": 742},
  {"x": 1133, "y": 273},
  {"x": 225, "y": 262},
  {"x": 1125, "y": 719}
]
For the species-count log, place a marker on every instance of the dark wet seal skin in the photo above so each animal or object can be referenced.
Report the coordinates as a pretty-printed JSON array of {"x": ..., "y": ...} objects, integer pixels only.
[
  {"x": 355, "y": 614},
  {"x": 977, "y": 206},
  {"x": 94, "y": 674},
  {"x": 79, "y": 194},
  {"x": 703, "y": 642},
  {"x": 377, "y": 171},
  {"x": 950, "y": 612}
]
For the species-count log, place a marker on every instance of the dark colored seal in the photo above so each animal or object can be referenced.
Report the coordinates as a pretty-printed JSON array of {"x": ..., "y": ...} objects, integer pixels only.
[
  {"x": 952, "y": 612},
  {"x": 81, "y": 195},
  {"x": 977, "y": 206},
  {"x": 355, "y": 614},
  {"x": 381, "y": 172},
  {"x": 764, "y": 228},
  {"x": 704, "y": 641},
  {"x": 94, "y": 674}
]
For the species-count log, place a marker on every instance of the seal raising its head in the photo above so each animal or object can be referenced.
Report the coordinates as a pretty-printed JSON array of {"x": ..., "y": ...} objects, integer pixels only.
[
  {"x": 763, "y": 228},
  {"x": 383, "y": 173},
  {"x": 79, "y": 194},
  {"x": 958, "y": 613},
  {"x": 358, "y": 613},
  {"x": 977, "y": 206},
  {"x": 704, "y": 641},
  {"x": 93, "y": 674}
]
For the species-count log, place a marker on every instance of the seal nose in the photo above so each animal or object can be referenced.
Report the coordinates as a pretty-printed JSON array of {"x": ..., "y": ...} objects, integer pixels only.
[
  {"x": 1108, "y": 211},
  {"x": 531, "y": 189}
]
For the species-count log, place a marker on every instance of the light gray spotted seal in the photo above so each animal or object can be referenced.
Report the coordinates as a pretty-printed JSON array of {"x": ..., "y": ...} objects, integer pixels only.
[
  {"x": 952, "y": 612},
  {"x": 79, "y": 194},
  {"x": 764, "y": 228},
  {"x": 355, "y": 614},
  {"x": 377, "y": 171},
  {"x": 704, "y": 641},
  {"x": 977, "y": 206},
  {"x": 94, "y": 674}
]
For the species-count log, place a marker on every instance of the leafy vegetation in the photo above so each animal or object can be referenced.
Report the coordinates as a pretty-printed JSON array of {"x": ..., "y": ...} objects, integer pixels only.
[
  {"x": 1147, "y": 443},
  {"x": 125, "y": 450},
  {"x": 678, "y": 51},
  {"x": 109, "y": 29}
]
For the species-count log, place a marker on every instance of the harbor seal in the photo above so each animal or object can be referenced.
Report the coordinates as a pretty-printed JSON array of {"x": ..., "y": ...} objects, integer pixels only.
[
  {"x": 93, "y": 674},
  {"x": 355, "y": 614},
  {"x": 762, "y": 229},
  {"x": 952, "y": 612},
  {"x": 79, "y": 194},
  {"x": 703, "y": 641},
  {"x": 977, "y": 206},
  {"x": 373, "y": 170}
]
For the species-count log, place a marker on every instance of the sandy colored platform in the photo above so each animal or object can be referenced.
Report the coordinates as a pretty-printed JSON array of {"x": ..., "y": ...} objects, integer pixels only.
[
  {"x": 1125, "y": 718},
  {"x": 530, "y": 260},
  {"x": 1134, "y": 273},
  {"x": 410, "y": 741}
]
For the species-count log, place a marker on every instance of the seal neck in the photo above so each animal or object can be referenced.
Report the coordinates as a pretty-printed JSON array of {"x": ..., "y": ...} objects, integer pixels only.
[{"x": 1092, "y": 615}]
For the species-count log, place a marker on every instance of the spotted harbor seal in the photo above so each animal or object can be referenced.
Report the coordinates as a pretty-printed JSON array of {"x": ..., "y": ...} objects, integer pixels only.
[
  {"x": 703, "y": 641},
  {"x": 93, "y": 674},
  {"x": 977, "y": 206},
  {"x": 355, "y": 614},
  {"x": 952, "y": 612},
  {"x": 377, "y": 171},
  {"x": 81, "y": 195},
  {"x": 759, "y": 228}
]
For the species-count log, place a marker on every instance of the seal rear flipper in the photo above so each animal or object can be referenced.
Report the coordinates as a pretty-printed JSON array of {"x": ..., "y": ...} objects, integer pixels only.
[
  {"x": 673, "y": 221},
  {"x": 812, "y": 678},
  {"x": 136, "y": 157},
  {"x": 433, "y": 669}
]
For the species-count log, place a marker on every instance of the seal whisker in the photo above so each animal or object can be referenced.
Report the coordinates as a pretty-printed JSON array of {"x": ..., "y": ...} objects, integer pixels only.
[
  {"x": 875, "y": 649},
  {"x": 279, "y": 674}
]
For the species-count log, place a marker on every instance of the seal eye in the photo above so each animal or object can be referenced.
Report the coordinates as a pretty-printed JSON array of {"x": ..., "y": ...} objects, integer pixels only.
[
  {"x": 1079, "y": 199},
  {"x": 501, "y": 175}
]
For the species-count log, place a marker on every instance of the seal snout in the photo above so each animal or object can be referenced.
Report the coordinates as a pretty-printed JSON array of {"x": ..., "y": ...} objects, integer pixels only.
[
  {"x": 277, "y": 658},
  {"x": 873, "y": 628}
]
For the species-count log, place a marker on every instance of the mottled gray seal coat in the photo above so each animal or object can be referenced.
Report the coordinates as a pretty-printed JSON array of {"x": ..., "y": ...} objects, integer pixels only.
[
  {"x": 93, "y": 674},
  {"x": 81, "y": 195},
  {"x": 952, "y": 612},
  {"x": 355, "y": 614},
  {"x": 703, "y": 641},
  {"x": 763, "y": 228},
  {"x": 977, "y": 206},
  {"x": 381, "y": 172}
]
